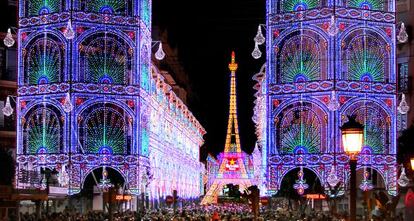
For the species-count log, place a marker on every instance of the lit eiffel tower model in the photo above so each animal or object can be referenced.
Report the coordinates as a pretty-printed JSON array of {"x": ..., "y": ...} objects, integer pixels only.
[{"x": 233, "y": 160}]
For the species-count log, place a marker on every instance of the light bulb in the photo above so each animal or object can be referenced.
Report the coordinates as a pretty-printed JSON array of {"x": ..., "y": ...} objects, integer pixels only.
[
  {"x": 160, "y": 54},
  {"x": 259, "y": 39},
  {"x": 402, "y": 36},
  {"x": 256, "y": 54},
  {"x": 332, "y": 178},
  {"x": 403, "y": 107},
  {"x": 7, "y": 110},
  {"x": 67, "y": 103},
  {"x": 69, "y": 33},
  {"x": 333, "y": 29},
  {"x": 333, "y": 104},
  {"x": 8, "y": 40},
  {"x": 403, "y": 180}
]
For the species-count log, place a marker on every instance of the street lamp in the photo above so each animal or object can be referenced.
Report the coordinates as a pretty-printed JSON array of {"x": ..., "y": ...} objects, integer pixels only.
[
  {"x": 412, "y": 163},
  {"x": 352, "y": 139}
]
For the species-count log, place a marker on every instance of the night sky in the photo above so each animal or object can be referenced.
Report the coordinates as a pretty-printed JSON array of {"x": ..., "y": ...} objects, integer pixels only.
[{"x": 205, "y": 33}]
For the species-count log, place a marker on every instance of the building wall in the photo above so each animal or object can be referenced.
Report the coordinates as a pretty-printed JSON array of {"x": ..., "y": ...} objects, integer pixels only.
[
  {"x": 175, "y": 140},
  {"x": 405, "y": 60}
]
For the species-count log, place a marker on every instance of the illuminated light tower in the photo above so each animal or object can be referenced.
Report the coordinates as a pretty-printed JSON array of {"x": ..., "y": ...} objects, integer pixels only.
[
  {"x": 233, "y": 161},
  {"x": 327, "y": 60},
  {"x": 84, "y": 67}
]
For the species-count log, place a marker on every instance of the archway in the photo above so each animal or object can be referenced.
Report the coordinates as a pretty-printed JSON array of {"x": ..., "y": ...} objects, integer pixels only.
[
  {"x": 90, "y": 196},
  {"x": 289, "y": 197}
]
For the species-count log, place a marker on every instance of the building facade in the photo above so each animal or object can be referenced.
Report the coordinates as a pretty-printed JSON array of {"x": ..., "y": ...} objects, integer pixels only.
[
  {"x": 327, "y": 60},
  {"x": 87, "y": 98},
  {"x": 175, "y": 138}
]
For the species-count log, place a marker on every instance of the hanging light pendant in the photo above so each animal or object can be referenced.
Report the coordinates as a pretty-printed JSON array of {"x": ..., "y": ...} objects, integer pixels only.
[
  {"x": 333, "y": 28},
  {"x": 403, "y": 107},
  {"x": 7, "y": 109},
  {"x": 366, "y": 184},
  {"x": 160, "y": 54},
  {"x": 403, "y": 180},
  {"x": 256, "y": 54},
  {"x": 300, "y": 186},
  {"x": 69, "y": 33},
  {"x": 8, "y": 40},
  {"x": 333, "y": 179},
  {"x": 333, "y": 104},
  {"x": 67, "y": 103},
  {"x": 259, "y": 39},
  {"x": 402, "y": 36}
]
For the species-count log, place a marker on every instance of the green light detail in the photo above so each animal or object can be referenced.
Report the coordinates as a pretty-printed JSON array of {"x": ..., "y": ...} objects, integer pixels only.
[
  {"x": 44, "y": 62},
  {"x": 43, "y": 132},
  {"x": 300, "y": 60},
  {"x": 105, "y": 128},
  {"x": 295, "y": 5},
  {"x": 366, "y": 60}
]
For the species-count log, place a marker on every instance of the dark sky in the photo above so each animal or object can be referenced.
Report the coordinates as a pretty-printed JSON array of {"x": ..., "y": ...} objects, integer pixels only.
[{"x": 205, "y": 33}]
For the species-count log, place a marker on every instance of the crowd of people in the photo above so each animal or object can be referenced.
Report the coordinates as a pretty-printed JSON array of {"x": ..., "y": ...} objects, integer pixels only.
[{"x": 224, "y": 212}]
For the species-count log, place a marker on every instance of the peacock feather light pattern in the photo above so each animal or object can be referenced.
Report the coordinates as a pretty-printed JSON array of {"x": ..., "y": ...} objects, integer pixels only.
[
  {"x": 366, "y": 59},
  {"x": 375, "y": 125},
  {"x": 106, "y": 60},
  {"x": 105, "y": 131},
  {"x": 367, "y": 4},
  {"x": 299, "y": 5},
  {"x": 40, "y": 7},
  {"x": 300, "y": 130},
  {"x": 44, "y": 62},
  {"x": 300, "y": 60},
  {"x": 43, "y": 132},
  {"x": 118, "y": 7}
]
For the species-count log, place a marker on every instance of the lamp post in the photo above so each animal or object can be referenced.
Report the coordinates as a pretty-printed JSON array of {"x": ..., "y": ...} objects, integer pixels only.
[{"x": 352, "y": 139}]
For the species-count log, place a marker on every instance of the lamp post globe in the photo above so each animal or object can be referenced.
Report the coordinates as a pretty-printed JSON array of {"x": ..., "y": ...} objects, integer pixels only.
[{"x": 352, "y": 136}]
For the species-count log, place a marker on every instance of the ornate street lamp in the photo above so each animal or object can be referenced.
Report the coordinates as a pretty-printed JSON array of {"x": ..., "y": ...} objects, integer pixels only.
[{"x": 352, "y": 139}]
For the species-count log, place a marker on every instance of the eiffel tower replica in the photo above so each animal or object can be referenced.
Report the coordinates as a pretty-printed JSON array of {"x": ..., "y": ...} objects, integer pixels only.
[{"x": 233, "y": 161}]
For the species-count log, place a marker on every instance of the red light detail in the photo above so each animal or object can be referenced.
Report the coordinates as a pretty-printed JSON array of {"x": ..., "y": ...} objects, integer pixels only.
[
  {"x": 341, "y": 26},
  {"x": 80, "y": 30},
  {"x": 131, "y": 34},
  {"x": 23, "y": 104},
  {"x": 131, "y": 103},
  {"x": 276, "y": 103},
  {"x": 24, "y": 36},
  {"x": 276, "y": 33},
  {"x": 388, "y": 31},
  {"x": 79, "y": 101}
]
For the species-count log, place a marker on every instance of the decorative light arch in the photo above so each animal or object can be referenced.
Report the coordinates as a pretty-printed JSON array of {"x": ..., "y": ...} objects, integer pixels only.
[
  {"x": 377, "y": 124},
  {"x": 365, "y": 56},
  {"x": 105, "y": 128},
  {"x": 301, "y": 128},
  {"x": 301, "y": 56},
  {"x": 44, "y": 60},
  {"x": 43, "y": 130},
  {"x": 105, "y": 58},
  {"x": 115, "y": 7}
]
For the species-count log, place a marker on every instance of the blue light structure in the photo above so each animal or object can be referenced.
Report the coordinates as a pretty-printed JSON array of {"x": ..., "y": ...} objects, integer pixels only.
[
  {"x": 308, "y": 67},
  {"x": 103, "y": 73}
]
